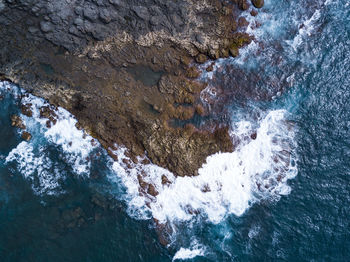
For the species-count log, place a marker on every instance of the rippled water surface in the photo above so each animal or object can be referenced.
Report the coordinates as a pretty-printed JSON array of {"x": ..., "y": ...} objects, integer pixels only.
[{"x": 283, "y": 196}]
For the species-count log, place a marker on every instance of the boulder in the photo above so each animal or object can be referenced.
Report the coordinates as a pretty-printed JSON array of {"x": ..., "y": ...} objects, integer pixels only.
[
  {"x": 27, "y": 110},
  {"x": 258, "y": 3},
  {"x": 152, "y": 190},
  {"x": 16, "y": 121},
  {"x": 26, "y": 136},
  {"x": 243, "y": 4}
]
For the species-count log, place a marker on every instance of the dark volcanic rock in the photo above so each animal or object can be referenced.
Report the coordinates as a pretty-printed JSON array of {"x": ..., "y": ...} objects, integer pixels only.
[
  {"x": 46, "y": 26},
  {"x": 90, "y": 11},
  {"x": 81, "y": 55}
]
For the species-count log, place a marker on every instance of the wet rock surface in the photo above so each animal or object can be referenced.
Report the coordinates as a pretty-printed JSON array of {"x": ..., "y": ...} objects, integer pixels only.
[
  {"x": 26, "y": 136},
  {"x": 125, "y": 69},
  {"x": 16, "y": 121},
  {"x": 258, "y": 3}
]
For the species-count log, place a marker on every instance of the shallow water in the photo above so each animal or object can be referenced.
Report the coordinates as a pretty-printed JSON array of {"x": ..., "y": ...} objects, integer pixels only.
[{"x": 58, "y": 205}]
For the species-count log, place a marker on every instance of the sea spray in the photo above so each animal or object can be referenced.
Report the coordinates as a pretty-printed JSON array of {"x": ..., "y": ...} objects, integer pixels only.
[
  {"x": 228, "y": 183},
  {"x": 188, "y": 253},
  {"x": 33, "y": 159}
]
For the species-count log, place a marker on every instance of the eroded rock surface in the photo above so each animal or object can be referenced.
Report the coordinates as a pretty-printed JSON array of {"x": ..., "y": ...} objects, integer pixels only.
[{"x": 125, "y": 68}]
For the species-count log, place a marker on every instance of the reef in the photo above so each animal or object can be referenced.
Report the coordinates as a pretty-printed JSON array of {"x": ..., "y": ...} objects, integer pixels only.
[{"x": 128, "y": 70}]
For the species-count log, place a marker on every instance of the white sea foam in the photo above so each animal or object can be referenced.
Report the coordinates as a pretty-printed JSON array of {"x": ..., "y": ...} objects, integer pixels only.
[
  {"x": 189, "y": 253},
  {"x": 186, "y": 253},
  {"x": 150, "y": 174},
  {"x": 8, "y": 87},
  {"x": 228, "y": 183},
  {"x": 306, "y": 30},
  {"x": 37, "y": 168},
  {"x": 254, "y": 231},
  {"x": 75, "y": 144},
  {"x": 32, "y": 158}
]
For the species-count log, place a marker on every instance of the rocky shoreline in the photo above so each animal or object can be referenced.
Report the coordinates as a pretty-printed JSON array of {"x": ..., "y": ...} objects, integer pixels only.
[{"x": 127, "y": 69}]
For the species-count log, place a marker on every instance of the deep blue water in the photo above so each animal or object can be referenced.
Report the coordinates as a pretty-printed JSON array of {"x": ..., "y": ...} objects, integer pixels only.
[{"x": 85, "y": 218}]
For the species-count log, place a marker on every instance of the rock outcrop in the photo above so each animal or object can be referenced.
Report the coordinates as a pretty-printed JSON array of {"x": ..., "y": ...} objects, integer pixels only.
[{"x": 125, "y": 68}]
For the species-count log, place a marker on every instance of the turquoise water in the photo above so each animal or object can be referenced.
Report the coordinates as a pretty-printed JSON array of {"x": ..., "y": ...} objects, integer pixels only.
[{"x": 60, "y": 214}]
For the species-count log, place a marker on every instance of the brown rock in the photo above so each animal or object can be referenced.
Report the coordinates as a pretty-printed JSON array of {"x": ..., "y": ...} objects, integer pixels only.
[
  {"x": 253, "y": 13},
  {"x": 164, "y": 231},
  {"x": 243, "y": 4},
  {"x": 189, "y": 149},
  {"x": 234, "y": 51},
  {"x": 240, "y": 39},
  {"x": 49, "y": 113},
  {"x": 145, "y": 162},
  {"x": 184, "y": 112},
  {"x": 186, "y": 60},
  {"x": 142, "y": 183},
  {"x": 17, "y": 121},
  {"x": 258, "y": 3},
  {"x": 152, "y": 190},
  {"x": 26, "y": 136},
  {"x": 200, "y": 110},
  {"x": 214, "y": 54},
  {"x": 192, "y": 72},
  {"x": 112, "y": 155},
  {"x": 27, "y": 110},
  {"x": 97, "y": 200},
  {"x": 201, "y": 58},
  {"x": 242, "y": 22},
  {"x": 210, "y": 67},
  {"x": 190, "y": 128},
  {"x": 224, "y": 53},
  {"x": 102, "y": 72},
  {"x": 253, "y": 136},
  {"x": 165, "y": 180}
]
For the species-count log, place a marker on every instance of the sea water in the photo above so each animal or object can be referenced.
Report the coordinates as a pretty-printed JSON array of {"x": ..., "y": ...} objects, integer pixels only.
[{"x": 282, "y": 195}]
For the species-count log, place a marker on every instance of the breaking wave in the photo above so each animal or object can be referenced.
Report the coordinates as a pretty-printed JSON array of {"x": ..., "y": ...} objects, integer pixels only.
[
  {"x": 71, "y": 148},
  {"x": 228, "y": 183}
]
